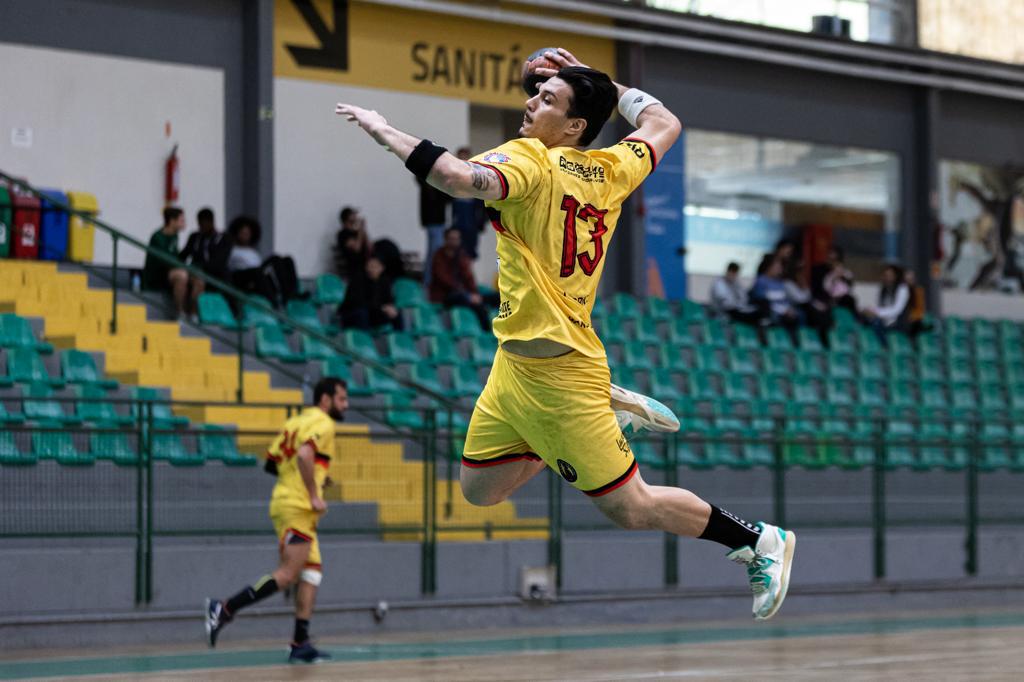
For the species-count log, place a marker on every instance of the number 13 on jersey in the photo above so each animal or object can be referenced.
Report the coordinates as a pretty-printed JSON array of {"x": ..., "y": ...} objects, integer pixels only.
[{"x": 573, "y": 212}]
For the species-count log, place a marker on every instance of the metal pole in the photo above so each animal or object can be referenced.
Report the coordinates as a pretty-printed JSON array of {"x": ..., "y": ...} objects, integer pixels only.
[
  {"x": 149, "y": 504},
  {"x": 139, "y": 502},
  {"x": 555, "y": 525},
  {"x": 241, "y": 355},
  {"x": 971, "y": 544},
  {"x": 878, "y": 520},
  {"x": 113, "y": 290},
  {"x": 450, "y": 456},
  {"x": 671, "y": 539},
  {"x": 779, "y": 477}
]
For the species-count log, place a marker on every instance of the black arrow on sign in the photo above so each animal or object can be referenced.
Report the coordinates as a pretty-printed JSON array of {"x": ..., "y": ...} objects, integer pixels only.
[{"x": 333, "y": 50}]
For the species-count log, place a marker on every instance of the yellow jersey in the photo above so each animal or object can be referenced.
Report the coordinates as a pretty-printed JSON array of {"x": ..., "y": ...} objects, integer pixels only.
[
  {"x": 556, "y": 217},
  {"x": 312, "y": 427}
]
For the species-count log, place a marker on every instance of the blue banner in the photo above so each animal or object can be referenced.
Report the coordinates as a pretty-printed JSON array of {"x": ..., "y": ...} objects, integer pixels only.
[{"x": 665, "y": 228}]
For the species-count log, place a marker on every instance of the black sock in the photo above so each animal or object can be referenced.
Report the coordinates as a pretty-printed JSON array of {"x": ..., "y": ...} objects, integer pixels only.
[
  {"x": 263, "y": 588},
  {"x": 301, "y": 631},
  {"x": 730, "y": 530}
]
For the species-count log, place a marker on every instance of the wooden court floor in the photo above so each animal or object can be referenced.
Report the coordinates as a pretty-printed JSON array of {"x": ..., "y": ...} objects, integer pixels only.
[{"x": 967, "y": 645}]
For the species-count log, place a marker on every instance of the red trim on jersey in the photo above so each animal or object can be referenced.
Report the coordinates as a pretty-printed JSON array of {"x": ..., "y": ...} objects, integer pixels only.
[
  {"x": 501, "y": 176},
  {"x": 614, "y": 485},
  {"x": 502, "y": 459},
  {"x": 298, "y": 534},
  {"x": 654, "y": 154}
]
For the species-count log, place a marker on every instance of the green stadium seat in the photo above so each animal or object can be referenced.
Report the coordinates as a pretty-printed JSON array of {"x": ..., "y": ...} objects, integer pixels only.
[
  {"x": 807, "y": 391},
  {"x": 315, "y": 349},
  {"x": 843, "y": 339},
  {"x": 1010, "y": 331},
  {"x": 957, "y": 347},
  {"x": 841, "y": 391},
  {"x": 961, "y": 397},
  {"x": 955, "y": 327},
  {"x": 215, "y": 311},
  {"x": 731, "y": 435},
  {"x": 426, "y": 375},
  {"x": 867, "y": 341},
  {"x": 380, "y": 383},
  {"x": 900, "y": 369},
  {"x": 779, "y": 362},
  {"x": 26, "y": 367},
  {"x": 681, "y": 334},
  {"x": 692, "y": 310},
  {"x": 167, "y": 447},
  {"x": 929, "y": 345},
  {"x": 744, "y": 360},
  {"x": 706, "y": 385},
  {"x": 810, "y": 364},
  {"x": 59, "y": 446},
  {"x": 257, "y": 316},
  {"x": 624, "y": 305},
  {"x": 39, "y": 407},
  {"x": 841, "y": 365},
  {"x": 635, "y": 356},
  {"x": 11, "y": 454},
  {"x": 844, "y": 318},
  {"x": 16, "y": 332},
  {"x": 465, "y": 322},
  {"x": 904, "y": 393},
  {"x": 986, "y": 350},
  {"x": 996, "y": 446},
  {"x": 983, "y": 330},
  {"x": 778, "y": 338},
  {"x": 933, "y": 395},
  {"x": 361, "y": 344},
  {"x": 338, "y": 366},
  {"x": 271, "y": 343},
  {"x": 658, "y": 308},
  {"x": 78, "y": 367},
  {"x": 400, "y": 413},
  {"x": 305, "y": 313},
  {"x": 401, "y": 348},
  {"x": 599, "y": 309},
  {"x": 611, "y": 328},
  {"x": 745, "y": 336},
  {"x": 646, "y": 331},
  {"x": 929, "y": 369},
  {"x": 218, "y": 443},
  {"x": 1011, "y": 352},
  {"x": 775, "y": 387},
  {"x": 713, "y": 333},
  {"x": 93, "y": 407},
  {"x": 871, "y": 365},
  {"x": 809, "y": 339},
  {"x": 426, "y": 321},
  {"x": 330, "y": 290},
  {"x": 738, "y": 387},
  {"x": 161, "y": 413},
  {"x": 466, "y": 382},
  {"x": 443, "y": 350},
  {"x": 900, "y": 344},
  {"x": 800, "y": 438},
  {"x": 692, "y": 450},
  {"x": 870, "y": 392},
  {"x": 482, "y": 350},
  {"x": 991, "y": 399},
  {"x": 664, "y": 389},
  {"x": 900, "y": 443},
  {"x": 10, "y": 417},
  {"x": 958, "y": 370},
  {"x": 677, "y": 358},
  {"x": 708, "y": 359},
  {"x": 409, "y": 293},
  {"x": 114, "y": 447},
  {"x": 988, "y": 372}
]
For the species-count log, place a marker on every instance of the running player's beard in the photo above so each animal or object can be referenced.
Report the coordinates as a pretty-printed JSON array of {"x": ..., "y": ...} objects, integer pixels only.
[{"x": 336, "y": 415}]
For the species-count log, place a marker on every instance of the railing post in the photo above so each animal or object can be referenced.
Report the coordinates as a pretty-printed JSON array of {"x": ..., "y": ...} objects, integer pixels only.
[
  {"x": 449, "y": 460},
  {"x": 140, "y": 530},
  {"x": 428, "y": 579},
  {"x": 671, "y": 539},
  {"x": 779, "y": 476},
  {"x": 113, "y": 289},
  {"x": 149, "y": 503},
  {"x": 878, "y": 520},
  {"x": 240, "y": 394},
  {"x": 971, "y": 543},
  {"x": 555, "y": 525}
]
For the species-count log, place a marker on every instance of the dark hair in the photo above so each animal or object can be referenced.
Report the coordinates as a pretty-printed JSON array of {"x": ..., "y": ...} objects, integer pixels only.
[
  {"x": 838, "y": 250},
  {"x": 347, "y": 213},
  {"x": 243, "y": 220},
  {"x": 327, "y": 386},
  {"x": 452, "y": 229},
  {"x": 205, "y": 213},
  {"x": 171, "y": 213},
  {"x": 732, "y": 267},
  {"x": 594, "y": 97}
]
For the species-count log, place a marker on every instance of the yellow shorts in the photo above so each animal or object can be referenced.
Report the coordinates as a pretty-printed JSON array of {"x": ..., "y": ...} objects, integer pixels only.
[
  {"x": 297, "y": 525},
  {"x": 551, "y": 409}
]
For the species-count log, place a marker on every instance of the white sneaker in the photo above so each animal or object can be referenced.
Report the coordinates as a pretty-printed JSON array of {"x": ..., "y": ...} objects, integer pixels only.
[
  {"x": 636, "y": 412},
  {"x": 768, "y": 567}
]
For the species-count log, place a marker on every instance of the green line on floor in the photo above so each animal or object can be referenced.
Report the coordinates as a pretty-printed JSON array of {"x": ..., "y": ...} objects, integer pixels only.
[{"x": 392, "y": 651}]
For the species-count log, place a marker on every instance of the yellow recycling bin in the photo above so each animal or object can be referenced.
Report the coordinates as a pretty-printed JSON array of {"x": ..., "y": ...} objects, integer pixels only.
[{"x": 81, "y": 232}]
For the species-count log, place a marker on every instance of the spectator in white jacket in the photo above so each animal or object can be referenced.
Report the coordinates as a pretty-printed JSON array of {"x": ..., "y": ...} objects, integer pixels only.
[{"x": 893, "y": 299}]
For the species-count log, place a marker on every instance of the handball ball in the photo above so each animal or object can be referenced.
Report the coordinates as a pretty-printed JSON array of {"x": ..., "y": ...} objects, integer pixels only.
[{"x": 535, "y": 61}]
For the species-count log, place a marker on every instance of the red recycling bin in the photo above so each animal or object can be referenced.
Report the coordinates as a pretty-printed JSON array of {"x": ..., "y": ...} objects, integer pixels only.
[{"x": 25, "y": 227}]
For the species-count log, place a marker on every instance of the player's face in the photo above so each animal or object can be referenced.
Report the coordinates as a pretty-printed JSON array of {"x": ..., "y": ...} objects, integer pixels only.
[
  {"x": 339, "y": 403},
  {"x": 546, "y": 116}
]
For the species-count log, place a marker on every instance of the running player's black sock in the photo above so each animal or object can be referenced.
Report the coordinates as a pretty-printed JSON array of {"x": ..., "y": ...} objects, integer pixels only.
[
  {"x": 730, "y": 530},
  {"x": 263, "y": 588},
  {"x": 301, "y": 631}
]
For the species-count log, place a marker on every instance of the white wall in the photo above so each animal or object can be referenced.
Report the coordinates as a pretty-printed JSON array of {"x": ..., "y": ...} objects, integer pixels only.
[
  {"x": 322, "y": 163},
  {"x": 993, "y": 306},
  {"x": 98, "y": 126}
]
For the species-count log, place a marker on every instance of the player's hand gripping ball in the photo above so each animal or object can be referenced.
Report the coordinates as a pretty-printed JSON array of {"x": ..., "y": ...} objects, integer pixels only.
[{"x": 537, "y": 60}]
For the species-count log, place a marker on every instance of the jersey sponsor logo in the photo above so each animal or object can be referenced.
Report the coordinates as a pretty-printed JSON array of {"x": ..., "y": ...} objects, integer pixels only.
[
  {"x": 504, "y": 310},
  {"x": 568, "y": 473},
  {"x": 636, "y": 147},
  {"x": 582, "y": 300},
  {"x": 623, "y": 445},
  {"x": 581, "y": 171},
  {"x": 579, "y": 323},
  {"x": 497, "y": 157}
]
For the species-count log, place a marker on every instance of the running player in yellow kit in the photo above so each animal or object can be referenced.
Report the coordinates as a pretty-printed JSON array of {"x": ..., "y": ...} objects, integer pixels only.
[
  {"x": 548, "y": 400},
  {"x": 299, "y": 455}
]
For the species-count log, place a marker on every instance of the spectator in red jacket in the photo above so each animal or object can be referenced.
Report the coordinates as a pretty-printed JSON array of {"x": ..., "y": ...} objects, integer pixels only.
[{"x": 452, "y": 282}]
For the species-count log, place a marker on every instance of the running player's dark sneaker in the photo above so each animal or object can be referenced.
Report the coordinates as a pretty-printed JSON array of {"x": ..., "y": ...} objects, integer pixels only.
[
  {"x": 216, "y": 619},
  {"x": 307, "y": 653}
]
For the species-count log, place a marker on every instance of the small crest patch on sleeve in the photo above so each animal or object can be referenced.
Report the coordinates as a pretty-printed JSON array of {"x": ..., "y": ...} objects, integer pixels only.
[{"x": 497, "y": 157}]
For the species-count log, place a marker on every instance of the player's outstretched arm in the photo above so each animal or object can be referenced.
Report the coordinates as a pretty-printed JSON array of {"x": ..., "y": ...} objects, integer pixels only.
[
  {"x": 453, "y": 176},
  {"x": 655, "y": 124}
]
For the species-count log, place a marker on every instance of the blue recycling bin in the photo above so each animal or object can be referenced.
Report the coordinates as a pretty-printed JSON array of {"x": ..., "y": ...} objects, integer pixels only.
[{"x": 53, "y": 223}]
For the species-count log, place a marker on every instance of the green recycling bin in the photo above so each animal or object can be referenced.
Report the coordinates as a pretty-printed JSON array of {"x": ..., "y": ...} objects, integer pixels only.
[{"x": 5, "y": 222}]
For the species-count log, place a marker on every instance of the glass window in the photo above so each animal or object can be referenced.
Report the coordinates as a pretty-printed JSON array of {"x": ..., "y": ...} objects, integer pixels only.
[
  {"x": 881, "y": 21},
  {"x": 981, "y": 213},
  {"x": 744, "y": 194}
]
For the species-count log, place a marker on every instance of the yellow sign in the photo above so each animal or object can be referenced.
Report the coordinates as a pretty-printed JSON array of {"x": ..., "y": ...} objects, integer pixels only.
[{"x": 396, "y": 49}]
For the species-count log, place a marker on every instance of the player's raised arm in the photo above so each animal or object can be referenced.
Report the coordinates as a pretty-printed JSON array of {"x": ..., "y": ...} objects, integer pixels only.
[
  {"x": 426, "y": 160},
  {"x": 655, "y": 124}
]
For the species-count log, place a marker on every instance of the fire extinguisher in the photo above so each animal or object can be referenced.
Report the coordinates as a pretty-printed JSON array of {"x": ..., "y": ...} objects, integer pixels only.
[{"x": 172, "y": 177}]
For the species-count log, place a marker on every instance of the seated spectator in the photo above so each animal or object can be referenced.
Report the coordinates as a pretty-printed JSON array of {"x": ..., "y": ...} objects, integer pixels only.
[
  {"x": 208, "y": 250},
  {"x": 352, "y": 246},
  {"x": 728, "y": 299},
  {"x": 812, "y": 313},
  {"x": 274, "y": 277},
  {"x": 158, "y": 275},
  {"x": 388, "y": 253},
  {"x": 769, "y": 293},
  {"x": 468, "y": 215},
  {"x": 832, "y": 281},
  {"x": 893, "y": 302},
  {"x": 918, "y": 306},
  {"x": 452, "y": 282},
  {"x": 369, "y": 300}
]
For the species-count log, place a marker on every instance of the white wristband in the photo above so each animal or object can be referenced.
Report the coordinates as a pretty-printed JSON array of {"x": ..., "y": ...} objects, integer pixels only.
[{"x": 633, "y": 102}]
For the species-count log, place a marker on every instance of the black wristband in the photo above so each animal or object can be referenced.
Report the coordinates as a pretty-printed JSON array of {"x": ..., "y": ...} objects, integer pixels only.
[{"x": 423, "y": 158}]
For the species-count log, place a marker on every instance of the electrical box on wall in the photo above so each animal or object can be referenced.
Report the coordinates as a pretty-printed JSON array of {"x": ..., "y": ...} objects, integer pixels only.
[{"x": 537, "y": 583}]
